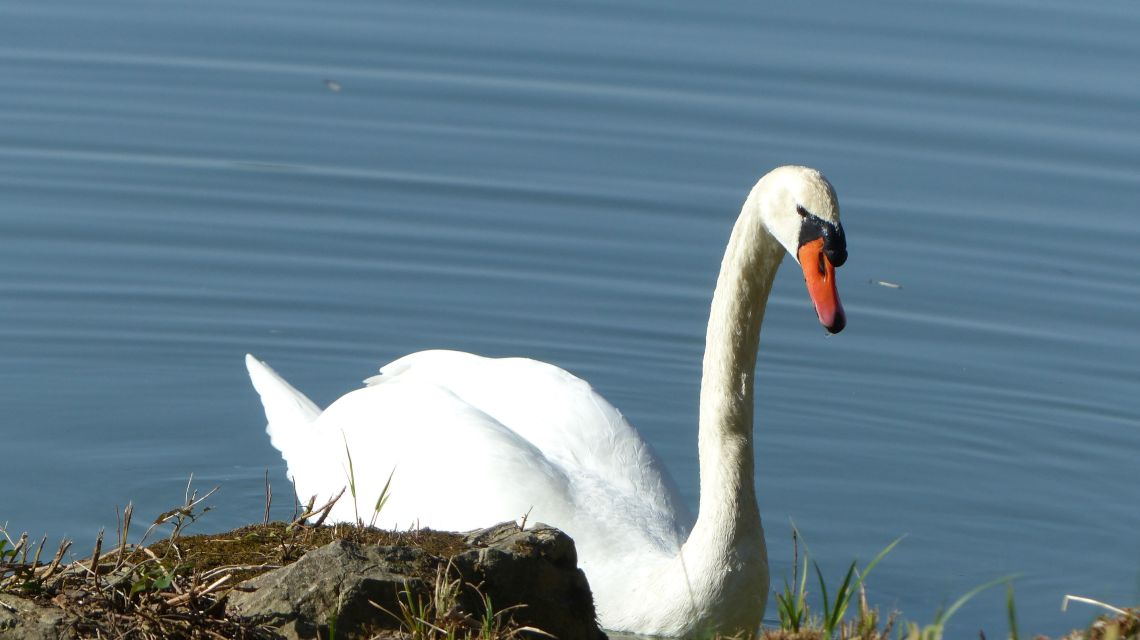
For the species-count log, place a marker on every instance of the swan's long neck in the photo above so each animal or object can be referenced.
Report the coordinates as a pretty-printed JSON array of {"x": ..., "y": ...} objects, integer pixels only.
[{"x": 727, "y": 534}]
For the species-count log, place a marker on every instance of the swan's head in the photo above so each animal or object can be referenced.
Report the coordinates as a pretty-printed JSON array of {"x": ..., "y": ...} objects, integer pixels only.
[{"x": 799, "y": 208}]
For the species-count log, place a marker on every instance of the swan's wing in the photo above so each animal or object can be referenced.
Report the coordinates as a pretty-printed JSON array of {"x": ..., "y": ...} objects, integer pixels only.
[
  {"x": 290, "y": 414},
  {"x": 577, "y": 431},
  {"x": 451, "y": 466}
]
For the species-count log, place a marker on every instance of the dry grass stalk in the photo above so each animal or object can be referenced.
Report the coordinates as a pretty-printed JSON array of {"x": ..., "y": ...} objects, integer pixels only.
[
  {"x": 94, "y": 568},
  {"x": 268, "y": 498},
  {"x": 1097, "y": 603},
  {"x": 322, "y": 512},
  {"x": 48, "y": 571}
]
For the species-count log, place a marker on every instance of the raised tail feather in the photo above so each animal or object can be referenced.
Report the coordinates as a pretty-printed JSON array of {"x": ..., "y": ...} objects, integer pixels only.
[{"x": 289, "y": 412}]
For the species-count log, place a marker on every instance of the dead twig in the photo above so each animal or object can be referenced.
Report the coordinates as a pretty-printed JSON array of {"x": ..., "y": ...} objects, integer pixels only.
[
  {"x": 197, "y": 593},
  {"x": 95, "y": 558},
  {"x": 323, "y": 511},
  {"x": 47, "y": 571},
  {"x": 268, "y": 498}
]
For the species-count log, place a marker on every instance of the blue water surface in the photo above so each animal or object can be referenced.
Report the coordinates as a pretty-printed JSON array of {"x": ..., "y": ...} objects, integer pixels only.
[{"x": 331, "y": 185}]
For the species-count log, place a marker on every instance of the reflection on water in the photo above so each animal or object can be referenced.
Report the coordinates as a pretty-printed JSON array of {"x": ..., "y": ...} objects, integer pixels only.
[{"x": 182, "y": 186}]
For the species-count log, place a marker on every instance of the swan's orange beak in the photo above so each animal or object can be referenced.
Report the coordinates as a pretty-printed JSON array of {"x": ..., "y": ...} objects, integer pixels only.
[{"x": 819, "y": 274}]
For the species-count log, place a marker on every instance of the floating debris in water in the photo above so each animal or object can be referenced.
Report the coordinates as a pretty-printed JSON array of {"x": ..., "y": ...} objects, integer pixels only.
[
  {"x": 333, "y": 85},
  {"x": 889, "y": 285}
]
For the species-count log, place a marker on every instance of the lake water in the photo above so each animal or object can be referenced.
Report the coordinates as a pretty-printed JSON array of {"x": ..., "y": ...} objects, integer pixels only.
[{"x": 331, "y": 185}]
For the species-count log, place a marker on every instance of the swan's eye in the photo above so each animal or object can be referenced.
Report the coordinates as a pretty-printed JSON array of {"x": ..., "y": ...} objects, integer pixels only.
[
  {"x": 836, "y": 246},
  {"x": 813, "y": 227}
]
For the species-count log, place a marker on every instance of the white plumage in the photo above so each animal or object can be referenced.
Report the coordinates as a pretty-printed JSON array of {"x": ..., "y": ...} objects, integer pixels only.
[{"x": 470, "y": 441}]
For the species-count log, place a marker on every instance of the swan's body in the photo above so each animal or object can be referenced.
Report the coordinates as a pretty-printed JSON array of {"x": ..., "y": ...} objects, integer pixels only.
[{"x": 475, "y": 441}]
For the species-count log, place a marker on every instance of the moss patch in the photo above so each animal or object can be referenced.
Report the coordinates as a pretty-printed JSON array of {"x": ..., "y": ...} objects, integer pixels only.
[{"x": 255, "y": 549}]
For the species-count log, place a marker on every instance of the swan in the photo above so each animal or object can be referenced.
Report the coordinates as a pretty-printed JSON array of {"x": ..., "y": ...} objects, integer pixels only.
[{"x": 468, "y": 441}]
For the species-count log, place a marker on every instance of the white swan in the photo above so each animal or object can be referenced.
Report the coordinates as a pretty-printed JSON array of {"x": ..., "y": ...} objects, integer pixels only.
[{"x": 475, "y": 441}]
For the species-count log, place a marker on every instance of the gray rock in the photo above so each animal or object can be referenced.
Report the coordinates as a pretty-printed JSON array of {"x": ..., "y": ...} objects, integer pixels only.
[
  {"x": 336, "y": 585},
  {"x": 23, "y": 619},
  {"x": 533, "y": 573},
  {"x": 537, "y": 569}
]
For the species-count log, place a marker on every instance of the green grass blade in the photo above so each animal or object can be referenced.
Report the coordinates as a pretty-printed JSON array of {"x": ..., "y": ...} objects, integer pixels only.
[
  {"x": 1013, "y": 634},
  {"x": 790, "y": 609},
  {"x": 798, "y": 598},
  {"x": 351, "y": 471},
  {"x": 351, "y": 479},
  {"x": 803, "y": 580},
  {"x": 823, "y": 591},
  {"x": 783, "y": 607},
  {"x": 944, "y": 616},
  {"x": 842, "y": 597},
  {"x": 383, "y": 497},
  {"x": 882, "y": 554}
]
